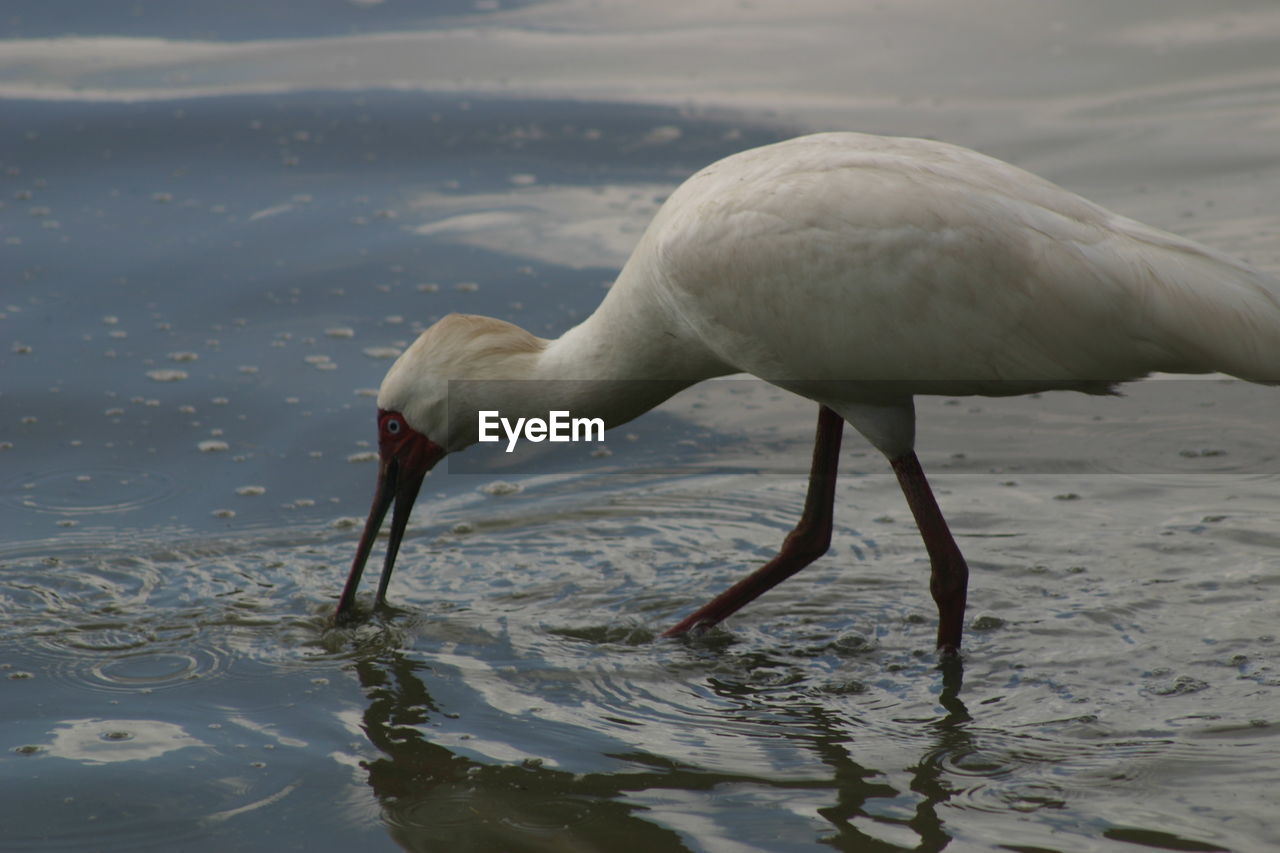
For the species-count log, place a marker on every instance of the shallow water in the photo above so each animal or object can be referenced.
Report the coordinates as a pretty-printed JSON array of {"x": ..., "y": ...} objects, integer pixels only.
[{"x": 220, "y": 222}]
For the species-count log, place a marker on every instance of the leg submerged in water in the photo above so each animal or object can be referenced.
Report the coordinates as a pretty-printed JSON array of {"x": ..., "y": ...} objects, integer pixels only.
[
  {"x": 949, "y": 578},
  {"x": 804, "y": 544}
]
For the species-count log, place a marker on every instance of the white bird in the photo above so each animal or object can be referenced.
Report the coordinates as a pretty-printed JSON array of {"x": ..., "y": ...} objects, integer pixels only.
[{"x": 857, "y": 271}]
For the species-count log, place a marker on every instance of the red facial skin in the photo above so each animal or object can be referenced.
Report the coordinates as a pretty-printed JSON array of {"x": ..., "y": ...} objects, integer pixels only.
[{"x": 404, "y": 458}]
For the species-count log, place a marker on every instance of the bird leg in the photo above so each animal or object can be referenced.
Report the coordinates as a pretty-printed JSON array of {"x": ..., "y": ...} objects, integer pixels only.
[
  {"x": 949, "y": 578},
  {"x": 806, "y": 543}
]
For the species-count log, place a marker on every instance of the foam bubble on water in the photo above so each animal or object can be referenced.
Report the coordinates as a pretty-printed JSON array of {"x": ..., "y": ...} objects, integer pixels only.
[
  {"x": 320, "y": 361},
  {"x": 97, "y": 741},
  {"x": 166, "y": 375}
]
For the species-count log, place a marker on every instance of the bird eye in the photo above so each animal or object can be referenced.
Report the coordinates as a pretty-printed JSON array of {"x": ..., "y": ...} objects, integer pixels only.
[{"x": 393, "y": 426}]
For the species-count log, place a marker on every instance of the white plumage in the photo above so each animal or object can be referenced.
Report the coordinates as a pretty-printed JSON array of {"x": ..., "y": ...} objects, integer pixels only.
[{"x": 857, "y": 271}]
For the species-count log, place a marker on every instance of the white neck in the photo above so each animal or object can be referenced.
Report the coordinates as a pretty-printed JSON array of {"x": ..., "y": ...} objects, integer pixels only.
[{"x": 629, "y": 356}]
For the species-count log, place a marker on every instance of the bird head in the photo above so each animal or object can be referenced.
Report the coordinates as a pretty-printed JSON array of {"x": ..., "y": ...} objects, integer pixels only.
[{"x": 427, "y": 409}]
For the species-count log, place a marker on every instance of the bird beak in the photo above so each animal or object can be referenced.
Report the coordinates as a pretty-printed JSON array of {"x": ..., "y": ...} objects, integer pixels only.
[{"x": 400, "y": 474}]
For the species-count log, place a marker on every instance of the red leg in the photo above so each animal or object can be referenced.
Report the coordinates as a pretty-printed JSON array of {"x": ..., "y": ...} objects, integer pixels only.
[
  {"x": 949, "y": 579},
  {"x": 806, "y": 543}
]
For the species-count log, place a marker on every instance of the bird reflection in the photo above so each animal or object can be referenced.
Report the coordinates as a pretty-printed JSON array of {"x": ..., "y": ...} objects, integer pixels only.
[
  {"x": 432, "y": 797},
  {"x": 951, "y": 736}
]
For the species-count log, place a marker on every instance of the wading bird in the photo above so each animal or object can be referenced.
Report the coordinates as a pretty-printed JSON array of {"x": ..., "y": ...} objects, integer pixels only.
[{"x": 857, "y": 271}]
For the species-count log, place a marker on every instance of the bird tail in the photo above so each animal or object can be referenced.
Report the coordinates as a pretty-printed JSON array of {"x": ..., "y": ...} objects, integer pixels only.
[{"x": 1206, "y": 311}]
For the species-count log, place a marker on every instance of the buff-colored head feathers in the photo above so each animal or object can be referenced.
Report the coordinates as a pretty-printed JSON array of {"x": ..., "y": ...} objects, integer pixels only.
[{"x": 457, "y": 347}]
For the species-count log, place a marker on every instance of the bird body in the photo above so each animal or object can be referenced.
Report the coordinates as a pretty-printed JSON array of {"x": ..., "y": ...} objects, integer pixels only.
[
  {"x": 859, "y": 271},
  {"x": 914, "y": 261}
]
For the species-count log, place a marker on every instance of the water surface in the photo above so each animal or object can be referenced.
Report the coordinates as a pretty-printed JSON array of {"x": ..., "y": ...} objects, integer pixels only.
[{"x": 221, "y": 222}]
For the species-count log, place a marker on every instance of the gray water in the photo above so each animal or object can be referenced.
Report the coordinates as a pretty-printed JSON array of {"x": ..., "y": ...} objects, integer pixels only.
[{"x": 218, "y": 223}]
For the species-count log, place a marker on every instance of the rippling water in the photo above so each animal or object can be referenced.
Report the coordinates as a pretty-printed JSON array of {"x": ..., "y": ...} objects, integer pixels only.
[{"x": 220, "y": 222}]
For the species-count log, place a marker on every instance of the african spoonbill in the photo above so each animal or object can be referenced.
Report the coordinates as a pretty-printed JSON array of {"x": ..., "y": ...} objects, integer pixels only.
[{"x": 857, "y": 271}]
